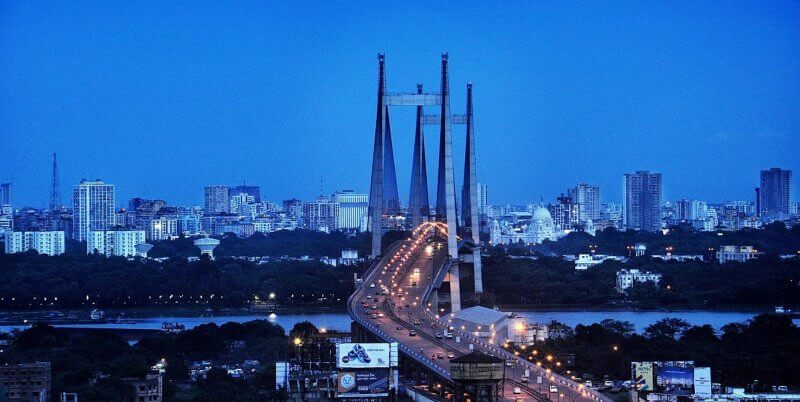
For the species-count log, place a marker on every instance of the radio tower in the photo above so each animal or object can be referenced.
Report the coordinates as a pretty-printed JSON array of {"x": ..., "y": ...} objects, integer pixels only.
[{"x": 55, "y": 192}]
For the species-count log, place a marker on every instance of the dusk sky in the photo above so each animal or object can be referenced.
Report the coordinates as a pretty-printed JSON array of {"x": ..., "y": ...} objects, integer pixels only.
[{"x": 162, "y": 98}]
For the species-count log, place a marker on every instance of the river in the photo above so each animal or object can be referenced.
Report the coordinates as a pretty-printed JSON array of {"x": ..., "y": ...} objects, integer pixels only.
[{"x": 340, "y": 321}]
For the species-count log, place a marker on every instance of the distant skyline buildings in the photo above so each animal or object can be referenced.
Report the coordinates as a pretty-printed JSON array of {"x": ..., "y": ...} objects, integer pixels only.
[
  {"x": 774, "y": 195},
  {"x": 93, "y": 208},
  {"x": 642, "y": 199}
]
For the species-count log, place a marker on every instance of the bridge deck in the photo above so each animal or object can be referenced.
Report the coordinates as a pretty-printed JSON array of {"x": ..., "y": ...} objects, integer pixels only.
[{"x": 408, "y": 270}]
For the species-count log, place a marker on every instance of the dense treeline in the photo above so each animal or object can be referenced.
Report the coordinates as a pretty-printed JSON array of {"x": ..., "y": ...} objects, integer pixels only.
[
  {"x": 762, "y": 352},
  {"x": 765, "y": 282},
  {"x": 774, "y": 238},
  {"x": 35, "y": 281},
  {"x": 77, "y": 357},
  {"x": 292, "y": 243}
]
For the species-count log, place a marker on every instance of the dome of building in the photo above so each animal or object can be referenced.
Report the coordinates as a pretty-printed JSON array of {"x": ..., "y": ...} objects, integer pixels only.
[{"x": 542, "y": 215}]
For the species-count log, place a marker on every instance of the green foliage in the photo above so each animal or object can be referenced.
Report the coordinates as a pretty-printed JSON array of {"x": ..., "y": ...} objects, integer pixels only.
[
  {"x": 766, "y": 348},
  {"x": 78, "y": 357},
  {"x": 767, "y": 281},
  {"x": 66, "y": 280}
]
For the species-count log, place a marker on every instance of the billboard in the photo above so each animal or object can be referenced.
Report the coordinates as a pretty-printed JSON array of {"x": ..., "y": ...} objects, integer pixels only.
[
  {"x": 642, "y": 375},
  {"x": 363, "y": 383},
  {"x": 702, "y": 382},
  {"x": 363, "y": 355},
  {"x": 674, "y": 377}
]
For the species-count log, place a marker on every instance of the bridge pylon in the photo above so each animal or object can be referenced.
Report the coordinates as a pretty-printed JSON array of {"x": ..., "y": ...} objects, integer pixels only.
[{"x": 384, "y": 203}]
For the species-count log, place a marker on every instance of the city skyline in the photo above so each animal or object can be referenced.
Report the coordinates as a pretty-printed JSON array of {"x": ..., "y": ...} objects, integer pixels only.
[{"x": 204, "y": 111}]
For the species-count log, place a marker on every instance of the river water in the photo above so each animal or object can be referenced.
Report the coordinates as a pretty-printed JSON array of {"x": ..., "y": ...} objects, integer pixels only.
[{"x": 340, "y": 321}]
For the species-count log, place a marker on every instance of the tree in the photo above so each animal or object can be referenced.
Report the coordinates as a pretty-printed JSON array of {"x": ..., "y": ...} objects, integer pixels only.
[{"x": 667, "y": 328}]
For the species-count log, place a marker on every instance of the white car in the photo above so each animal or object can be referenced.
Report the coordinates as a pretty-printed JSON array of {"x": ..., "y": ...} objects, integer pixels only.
[{"x": 517, "y": 391}]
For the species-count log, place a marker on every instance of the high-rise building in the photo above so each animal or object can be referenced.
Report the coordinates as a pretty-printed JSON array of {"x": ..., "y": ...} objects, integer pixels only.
[
  {"x": 641, "y": 202},
  {"x": 92, "y": 208},
  {"x": 774, "y": 195},
  {"x": 216, "y": 199},
  {"x": 587, "y": 198},
  {"x": 49, "y": 242},
  {"x": 483, "y": 198},
  {"x": 293, "y": 207},
  {"x": 690, "y": 210},
  {"x": 564, "y": 212},
  {"x": 115, "y": 242},
  {"x": 5, "y": 193},
  {"x": 237, "y": 200},
  {"x": 25, "y": 382},
  {"x": 254, "y": 191},
  {"x": 352, "y": 208},
  {"x": 321, "y": 214},
  {"x": 161, "y": 228}
]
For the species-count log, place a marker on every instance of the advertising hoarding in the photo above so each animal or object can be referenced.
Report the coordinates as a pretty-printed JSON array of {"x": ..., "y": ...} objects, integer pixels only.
[
  {"x": 363, "y": 355},
  {"x": 674, "y": 377},
  {"x": 642, "y": 375},
  {"x": 363, "y": 383},
  {"x": 702, "y": 382}
]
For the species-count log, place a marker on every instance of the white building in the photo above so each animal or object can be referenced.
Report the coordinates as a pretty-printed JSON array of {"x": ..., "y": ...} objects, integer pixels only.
[
  {"x": 734, "y": 253},
  {"x": 626, "y": 278},
  {"x": 524, "y": 227},
  {"x": 92, "y": 208},
  {"x": 586, "y": 261},
  {"x": 50, "y": 243},
  {"x": 162, "y": 228},
  {"x": 237, "y": 201},
  {"x": 352, "y": 208},
  {"x": 115, "y": 242}
]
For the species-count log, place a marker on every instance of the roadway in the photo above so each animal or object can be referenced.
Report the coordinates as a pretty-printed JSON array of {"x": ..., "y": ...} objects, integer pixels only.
[{"x": 392, "y": 303}]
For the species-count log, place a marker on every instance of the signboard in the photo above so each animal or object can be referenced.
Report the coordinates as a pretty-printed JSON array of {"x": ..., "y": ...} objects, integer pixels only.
[
  {"x": 642, "y": 374},
  {"x": 363, "y": 355},
  {"x": 363, "y": 383},
  {"x": 674, "y": 377},
  {"x": 702, "y": 382}
]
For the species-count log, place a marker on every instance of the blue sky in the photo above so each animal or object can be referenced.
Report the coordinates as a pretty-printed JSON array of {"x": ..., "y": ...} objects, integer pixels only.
[{"x": 162, "y": 98}]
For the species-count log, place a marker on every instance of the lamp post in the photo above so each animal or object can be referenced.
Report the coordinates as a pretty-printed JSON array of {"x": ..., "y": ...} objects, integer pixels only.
[
  {"x": 630, "y": 251},
  {"x": 711, "y": 254},
  {"x": 669, "y": 252}
]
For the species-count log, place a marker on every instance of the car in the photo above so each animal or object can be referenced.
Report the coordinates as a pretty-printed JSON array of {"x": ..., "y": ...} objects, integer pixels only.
[
  {"x": 414, "y": 284},
  {"x": 374, "y": 316},
  {"x": 448, "y": 335},
  {"x": 416, "y": 322},
  {"x": 372, "y": 285},
  {"x": 517, "y": 391},
  {"x": 374, "y": 306},
  {"x": 588, "y": 384},
  {"x": 509, "y": 363},
  {"x": 369, "y": 297},
  {"x": 412, "y": 333},
  {"x": 438, "y": 335},
  {"x": 399, "y": 327},
  {"x": 553, "y": 389},
  {"x": 525, "y": 378},
  {"x": 440, "y": 355},
  {"x": 609, "y": 383},
  {"x": 380, "y": 315},
  {"x": 377, "y": 293},
  {"x": 407, "y": 305},
  {"x": 451, "y": 356}
]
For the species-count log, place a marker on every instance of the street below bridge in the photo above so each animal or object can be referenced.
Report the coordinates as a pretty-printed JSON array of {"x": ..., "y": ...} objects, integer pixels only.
[{"x": 393, "y": 303}]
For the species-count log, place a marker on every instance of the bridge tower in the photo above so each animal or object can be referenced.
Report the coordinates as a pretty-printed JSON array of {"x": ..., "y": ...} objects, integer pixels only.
[{"x": 384, "y": 200}]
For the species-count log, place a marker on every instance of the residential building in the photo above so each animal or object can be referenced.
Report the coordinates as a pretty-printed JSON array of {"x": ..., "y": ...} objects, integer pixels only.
[
  {"x": 92, "y": 208},
  {"x": 26, "y": 382},
  {"x": 254, "y": 191},
  {"x": 690, "y": 210},
  {"x": 237, "y": 201},
  {"x": 293, "y": 207},
  {"x": 116, "y": 242},
  {"x": 352, "y": 209},
  {"x": 564, "y": 213},
  {"x": 483, "y": 198},
  {"x": 50, "y": 243},
  {"x": 161, "y": 228},
  {"x": 736, "y": 253},
  {"x": 774, "y": 195},
  {"x": 216, "y": 199},
  {"x": 321, "y": 214},
  {"x": 148, "y": 389},
  {"x": 626, "y": 278},
  {"x": 5, "y": 193},
  {"x": 587, "y": 198},
  {"x": 641, "y": 208}
]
